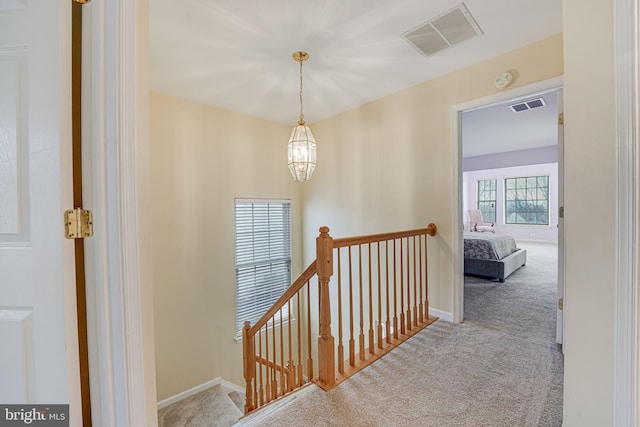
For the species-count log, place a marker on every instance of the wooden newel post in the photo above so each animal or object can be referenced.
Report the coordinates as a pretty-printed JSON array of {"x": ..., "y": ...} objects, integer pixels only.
[
  {"x": 249, "y": 361},
  {"x": 324, "y": 267}
]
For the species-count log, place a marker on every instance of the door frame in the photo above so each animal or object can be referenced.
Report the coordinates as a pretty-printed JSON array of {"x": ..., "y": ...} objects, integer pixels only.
[
  {"x": 116, "y": 170},
  {"x": 627, "y": 283},
  {"x": 458, "y": 216}
]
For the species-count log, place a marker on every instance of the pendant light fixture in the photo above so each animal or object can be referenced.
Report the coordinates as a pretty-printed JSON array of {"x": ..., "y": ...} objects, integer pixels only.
[{"x": 302, "y": 146}]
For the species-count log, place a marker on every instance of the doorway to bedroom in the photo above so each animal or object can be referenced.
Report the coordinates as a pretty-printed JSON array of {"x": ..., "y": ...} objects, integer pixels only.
[{"x": 510, "y": 174}]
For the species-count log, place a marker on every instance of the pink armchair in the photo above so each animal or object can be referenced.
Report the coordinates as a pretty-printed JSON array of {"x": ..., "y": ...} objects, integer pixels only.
[{"x": 476, "y": 222}]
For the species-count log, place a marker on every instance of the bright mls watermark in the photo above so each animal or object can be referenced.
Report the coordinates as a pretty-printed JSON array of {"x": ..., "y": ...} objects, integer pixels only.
[{"x": 34, "y": 415}]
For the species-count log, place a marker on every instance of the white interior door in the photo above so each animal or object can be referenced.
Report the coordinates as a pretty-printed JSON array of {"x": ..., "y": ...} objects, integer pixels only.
[
  {"x": 560, "y": 309},
  {"x": 39, "y": 350}
]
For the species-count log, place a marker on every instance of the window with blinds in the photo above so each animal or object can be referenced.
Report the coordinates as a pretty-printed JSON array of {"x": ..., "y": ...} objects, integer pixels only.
[{"x": 263, "y": 256}]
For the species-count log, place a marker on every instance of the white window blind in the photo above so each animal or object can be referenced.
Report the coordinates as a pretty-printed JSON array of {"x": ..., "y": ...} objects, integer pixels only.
[{"x": 263, "y": 256}]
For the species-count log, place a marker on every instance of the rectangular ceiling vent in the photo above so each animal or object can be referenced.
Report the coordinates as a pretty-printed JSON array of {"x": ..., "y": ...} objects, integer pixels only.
[
  {"x": 527, "y": 105},
  {"x": 444, "y": 31}
]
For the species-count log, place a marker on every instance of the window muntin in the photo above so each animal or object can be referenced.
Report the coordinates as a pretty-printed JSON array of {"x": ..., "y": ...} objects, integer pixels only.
[
  {"x": 487, "y": 199},
  {"x": 263, "y": 256},
  {"x": 527, "y": 200}
]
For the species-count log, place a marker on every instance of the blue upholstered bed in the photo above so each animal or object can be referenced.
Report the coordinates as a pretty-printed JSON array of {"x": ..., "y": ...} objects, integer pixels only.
[{"x": 492, "y": 255}]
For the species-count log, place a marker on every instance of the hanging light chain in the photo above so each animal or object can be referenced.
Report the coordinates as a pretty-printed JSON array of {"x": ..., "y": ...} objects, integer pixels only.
[{"x": 301, "y": 117}]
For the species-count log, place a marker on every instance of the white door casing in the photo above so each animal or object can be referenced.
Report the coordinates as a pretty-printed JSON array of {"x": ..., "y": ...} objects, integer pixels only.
[
  {"x": 38, "y": 330},
  {"x": 561, "y": 243},
  {"x": 458, "y": 215},
  {"x": 115, "y": 173}
]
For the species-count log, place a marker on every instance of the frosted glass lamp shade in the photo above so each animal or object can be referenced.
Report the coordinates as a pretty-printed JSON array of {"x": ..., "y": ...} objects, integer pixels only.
[{"x": 302, "y": 153}]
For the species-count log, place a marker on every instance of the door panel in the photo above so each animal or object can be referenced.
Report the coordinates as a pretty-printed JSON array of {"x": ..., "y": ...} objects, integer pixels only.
[{"x": 38, "y": 356}]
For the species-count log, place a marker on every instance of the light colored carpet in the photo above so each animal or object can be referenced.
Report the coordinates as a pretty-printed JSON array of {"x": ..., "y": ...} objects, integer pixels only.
[
  {"x": 209, "y": 408},
  {"x": 501, "y": 367}
]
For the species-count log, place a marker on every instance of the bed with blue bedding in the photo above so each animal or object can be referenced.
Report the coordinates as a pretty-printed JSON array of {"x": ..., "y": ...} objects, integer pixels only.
[{"x": 492, "y": 255}]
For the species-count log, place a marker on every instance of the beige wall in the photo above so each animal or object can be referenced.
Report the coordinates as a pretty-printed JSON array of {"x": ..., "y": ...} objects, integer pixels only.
[
  {"x": 388, "y": 165},
  {"x": 201, "y": 159},
  {"x": 590, "y": 170}
]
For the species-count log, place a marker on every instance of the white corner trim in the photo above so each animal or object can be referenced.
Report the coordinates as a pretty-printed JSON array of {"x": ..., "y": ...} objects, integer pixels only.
[
  {"x": 126, "y": 150},
  {"x": 627, "y": 313},
  {"x": 444, "y": 315},
  {"x": 116, "y": 352},
  {"x": 226, "y": 386}
]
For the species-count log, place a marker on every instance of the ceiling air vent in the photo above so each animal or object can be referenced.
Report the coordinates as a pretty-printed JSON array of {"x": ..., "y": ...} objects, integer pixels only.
[
  {"x": 527, "y": 105},
  {"x": 446, "y": 30}
]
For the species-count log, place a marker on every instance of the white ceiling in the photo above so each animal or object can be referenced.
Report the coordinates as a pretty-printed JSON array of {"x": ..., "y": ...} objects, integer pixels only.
[
  {"x": 236, "y": 54},
  {"x": 496, "y": 128}
]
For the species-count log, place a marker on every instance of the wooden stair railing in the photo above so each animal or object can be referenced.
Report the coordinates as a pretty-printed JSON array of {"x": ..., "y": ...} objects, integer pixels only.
[{"x": 385, "y": 285}]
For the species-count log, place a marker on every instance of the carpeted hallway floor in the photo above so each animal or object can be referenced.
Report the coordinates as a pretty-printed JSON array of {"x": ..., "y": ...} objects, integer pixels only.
[{"x": 501, "y": 367}]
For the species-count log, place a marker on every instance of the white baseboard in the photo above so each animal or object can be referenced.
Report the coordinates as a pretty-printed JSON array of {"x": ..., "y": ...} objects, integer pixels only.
[
  {"x": 227, "y": 386},
  {"x": 253, "y": 418},
  {"x": 547, "y": 242},
  {"x": 444, "y": 315}
]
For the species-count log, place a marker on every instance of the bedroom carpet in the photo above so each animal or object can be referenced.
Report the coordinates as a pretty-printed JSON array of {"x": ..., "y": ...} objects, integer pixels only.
[{"x": 501, "y": 367}]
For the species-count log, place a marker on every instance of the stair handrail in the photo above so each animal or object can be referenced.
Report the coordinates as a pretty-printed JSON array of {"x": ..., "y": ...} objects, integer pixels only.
[
  {"x": 342, "y": 242},
  {"x": 286, "y": 296}
]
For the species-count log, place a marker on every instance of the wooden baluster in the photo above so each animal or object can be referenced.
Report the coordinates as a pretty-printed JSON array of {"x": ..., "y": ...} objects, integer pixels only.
[
  {"x": 402, "y": 313},
  {"x": 361, "y": 347},
  {"x": 372, "y": 345},
  {"x": 395, "y": 293},
  {"x": 283, "y": 380},
  {"x": 291, "y": 372},
  {"x": 408, "y": 256},
  {"x": 249, "y": 360},
  {"x": 415, "y": 284},
  {"x": 274, "y": 379},
  {"x": 326, "y": 346},
  {"x": 340, "y": 345},
  {"x": 291, "y": 368},
  {"x": 352, "y": 351},
  {"x": 261, "y": 388},
  {"x": 309, "y": 354},
  {"x": 300, "y": 368},
  {"x": 267, "y": 368},
  {"x": 379, "y": 301},
  {"x": 421, "y": 283},
  {"x": 388, "y": 322}
]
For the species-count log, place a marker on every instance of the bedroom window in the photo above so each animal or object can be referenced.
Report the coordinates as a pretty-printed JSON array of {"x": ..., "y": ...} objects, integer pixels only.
[
  {"x": 263, "y": 256},
  {"x": 527, "y": 200},
  {"x": 487, "y": 199}
]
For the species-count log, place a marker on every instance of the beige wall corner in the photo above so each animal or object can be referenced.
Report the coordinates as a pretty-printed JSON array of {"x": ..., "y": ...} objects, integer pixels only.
[{"x": 201, "y": 159}]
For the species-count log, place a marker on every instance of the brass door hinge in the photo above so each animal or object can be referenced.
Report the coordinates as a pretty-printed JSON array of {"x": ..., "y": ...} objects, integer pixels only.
[
  {"x": 561, "y": 212},
  {"x": 561, "y": 119},
  {"x": 560, "y": 304},
  {"x": 78, "y": 223}
]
